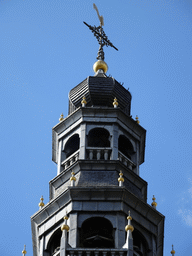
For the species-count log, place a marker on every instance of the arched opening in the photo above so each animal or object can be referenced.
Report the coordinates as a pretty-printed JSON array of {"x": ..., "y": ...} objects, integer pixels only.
[
  {"x": 54, "y": 243},
  {"x": 72, "y": 145},
  {"x": 96, "y": 232},
  {"x": 140, "y": 244},
  {"x": 125, "y": 146},
  {"x": 98, "y": 137}
]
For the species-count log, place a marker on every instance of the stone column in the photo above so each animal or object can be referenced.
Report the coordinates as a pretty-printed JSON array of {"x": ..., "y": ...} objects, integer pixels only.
[
  {"x": 73, "y": 234},
  {"x": 41, "y": 246},
  {"x": 114, "y": 142},
  {"x": 59, "y": 158},
  {"x": 82, "y": 146}
]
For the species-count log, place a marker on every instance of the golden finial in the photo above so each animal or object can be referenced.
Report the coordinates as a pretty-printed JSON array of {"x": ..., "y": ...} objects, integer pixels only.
[
  {"x": 137, "y": 119},
  {"x": 83, "y": 102},
  {"x": 72, "y": 176},
  {"x": 65, "y": 226},
  {"x": 129, "y": 217},
  {"x": 154, "y": 204},
  {"x": 115, "y": 103},
  {"x": 173, "y": 251},
  {"x": 120, "y": 179},
  {"x": 24, "y": 251},
  {"x": 61, "y": 118},
  {"x": 72, "y": 179},
  {"x": 41, "y": 204},
  {"x": 129, "y": 226}
]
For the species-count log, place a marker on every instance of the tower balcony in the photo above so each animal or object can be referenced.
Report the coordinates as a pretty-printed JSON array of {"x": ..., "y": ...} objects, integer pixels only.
[
  {"x": 97, "y": 153},
  {"x": 99, "y": 133}
]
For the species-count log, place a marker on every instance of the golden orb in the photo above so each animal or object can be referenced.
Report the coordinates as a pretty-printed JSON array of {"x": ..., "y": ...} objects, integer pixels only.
[
  {"x": 121, "y": 179},
  {"x": 65, "y": 227},
  {"x": 129, "y": 227},
  {"x": 61, "y": 118},
  {"x": 100, "y": 64},
  {"x": 84, "y": 100},
  {"x": 154, "y": 203},
  {"x": 24, "y": 251},
  {"x": 41, "y": 204},
  {"x": 173, "y": 251}
]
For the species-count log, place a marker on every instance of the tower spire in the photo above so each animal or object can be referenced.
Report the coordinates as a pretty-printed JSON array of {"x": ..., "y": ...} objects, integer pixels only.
[{"x": 102, "y": 40}]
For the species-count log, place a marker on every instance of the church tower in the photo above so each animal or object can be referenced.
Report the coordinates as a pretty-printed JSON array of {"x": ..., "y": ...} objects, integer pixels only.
[{"x": 98, "y": 201}]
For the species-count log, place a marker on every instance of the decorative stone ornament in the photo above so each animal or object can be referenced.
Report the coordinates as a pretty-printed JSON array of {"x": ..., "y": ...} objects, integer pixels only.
[
  {"x": 115, "y": 103},
  {"x": 83, "y": 102},
  {"x": 61, "y": 118},
  {"x": 137, "y": 119},
  {"x": 41, "y": 204},
  {"x": 173, "y": 251},
  {"x": 120, "y": 179},
  {"x": 154, "y": 204},
  {"x": 24, "y": 250},
  {"x": 72, "y": 179}
]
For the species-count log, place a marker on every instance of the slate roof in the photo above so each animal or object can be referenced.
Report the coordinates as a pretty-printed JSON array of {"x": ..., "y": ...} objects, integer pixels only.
[{"x": 100, "y": 91}]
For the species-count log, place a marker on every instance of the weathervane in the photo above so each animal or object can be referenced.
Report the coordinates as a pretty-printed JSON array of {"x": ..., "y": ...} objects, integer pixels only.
[{"x": 100, "y": 35}]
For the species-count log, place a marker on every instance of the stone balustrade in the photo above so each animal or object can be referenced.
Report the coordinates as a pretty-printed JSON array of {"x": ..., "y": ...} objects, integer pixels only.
[
  {"x": 125, "y": 160},
  {"x": 70, "y": 160},
  {"x": 94, "y": 153},
  {"x": 96, "y": 252},
  {"x": 93, "y": 252}
]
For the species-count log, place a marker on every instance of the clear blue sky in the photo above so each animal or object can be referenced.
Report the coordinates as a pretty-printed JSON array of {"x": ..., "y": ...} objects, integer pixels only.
[{"x": 45, "y": 50}]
